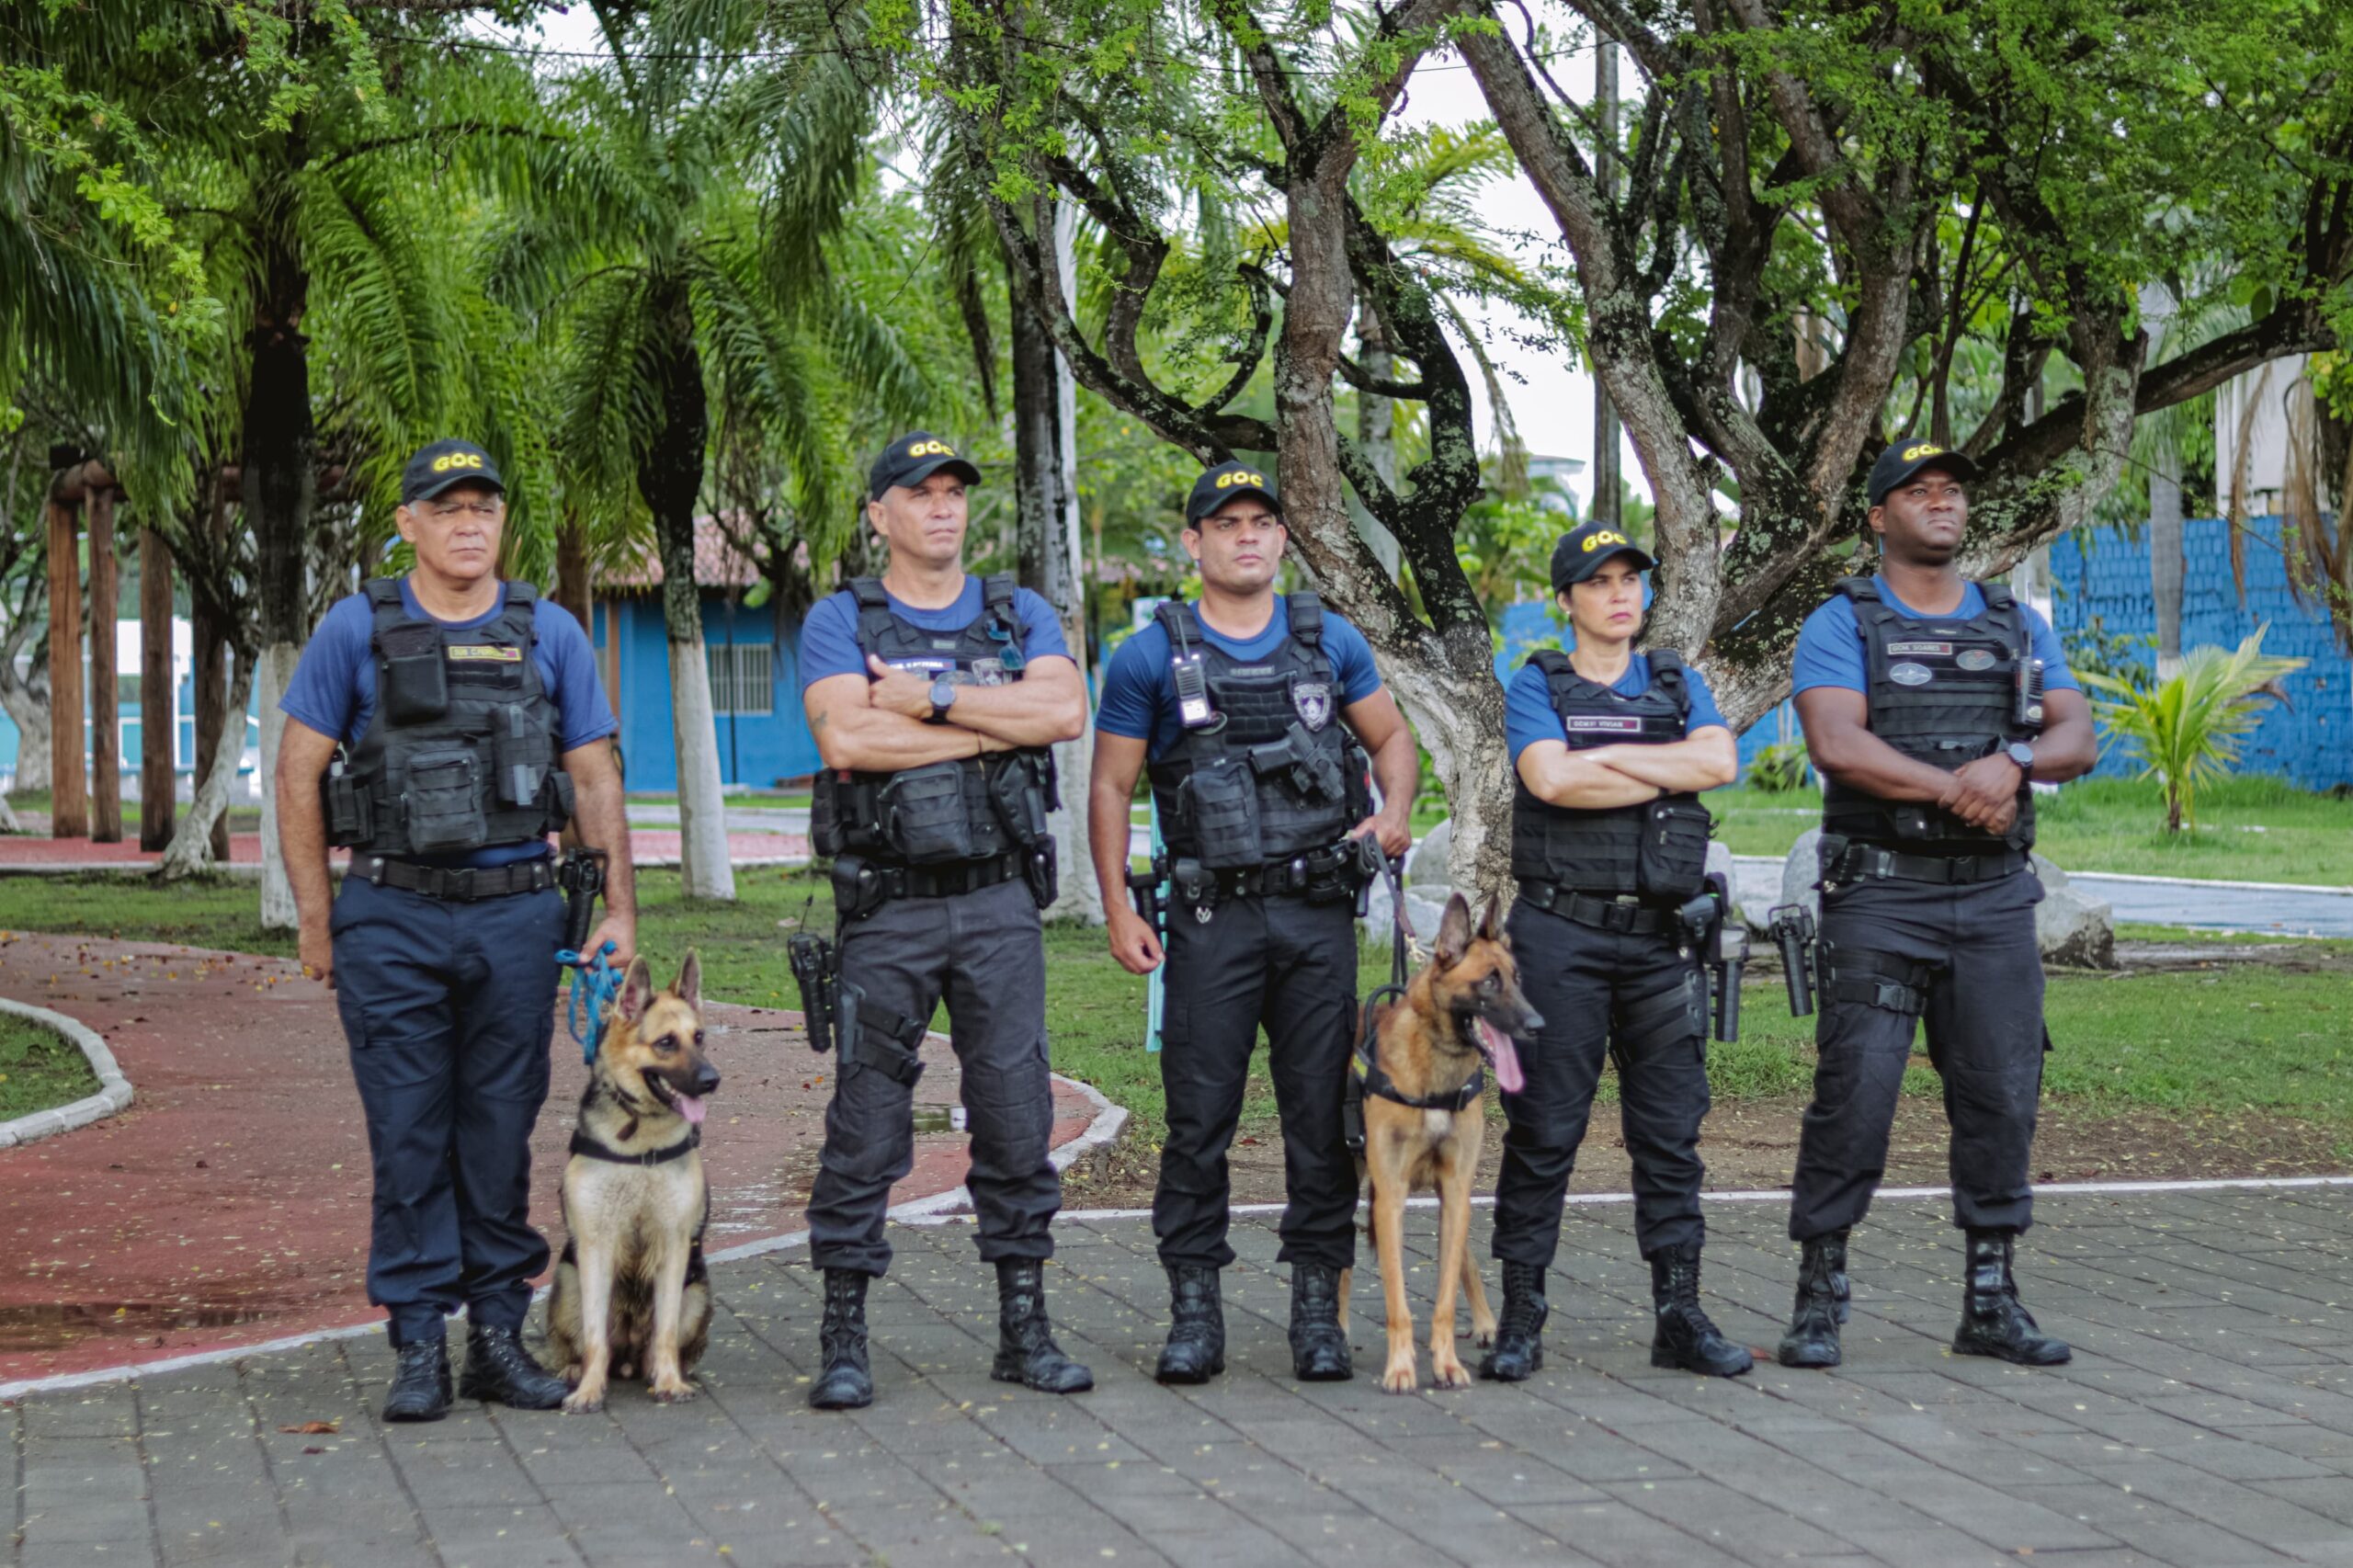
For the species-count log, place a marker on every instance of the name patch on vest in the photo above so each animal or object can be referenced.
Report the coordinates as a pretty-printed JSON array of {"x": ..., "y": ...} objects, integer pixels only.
[
  {"x": 1940, "y": 650},
  {"x": 493, "y": 652},
  {"x": 1585, "y": 726},
  {"x": 1251, "y": 670},
  {"x": 933, "y": 665},
  {"x": 1910, "y": 675},
  {"x": 1975, "y": 659}
]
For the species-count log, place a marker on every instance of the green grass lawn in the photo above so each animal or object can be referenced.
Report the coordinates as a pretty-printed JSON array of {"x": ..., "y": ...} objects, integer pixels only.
[
  {"x": 2256, "y": 830},
  {"x": 242, "y": 819},
  {"x": 38, "y": 1069},
  {"x": 2196, "y": 1040}
]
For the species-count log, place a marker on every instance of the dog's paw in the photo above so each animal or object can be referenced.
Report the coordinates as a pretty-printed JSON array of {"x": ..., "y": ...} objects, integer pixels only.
[
  {"x": 675, "y": 1390},
  {"x": 1398, "y": 1379},
  {"x": 1447, "y": 1373},
  {"x": 585, "y": 1402},
  {"x": 1484, "y": 1338}
]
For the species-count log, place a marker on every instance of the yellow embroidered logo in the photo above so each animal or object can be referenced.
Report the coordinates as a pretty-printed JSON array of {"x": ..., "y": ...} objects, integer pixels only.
[
  {"x": 449, "y": 461},
  {"x": 494, "y": 653},
  {"x": 1595, "y": 540},
  {"x": 1925, "y": 450},
  {"x": 1228, "y": 481},
  {"x": 931, "y": 449}
]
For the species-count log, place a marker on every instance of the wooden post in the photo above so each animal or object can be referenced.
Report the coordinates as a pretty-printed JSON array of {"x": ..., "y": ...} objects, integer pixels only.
[
  {"x": 158, "y": 695},
  {"x": 68, "y": 811},
  {"x": 212, "y": 683},
  {"x": 106, "y": 706}
]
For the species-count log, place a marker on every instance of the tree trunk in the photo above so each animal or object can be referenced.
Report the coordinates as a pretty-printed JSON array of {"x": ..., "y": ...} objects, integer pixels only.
[
  {"x": 280, "y": 481},
  {"x": 573, "y": 590},
  {"x": 26, "y": 699},
  {"x": 191, "y": 850},
  {"x": 1376, "y": 432},
  {"x": 69, "y": 812},
  {"x": 211, "y": 635},
  {"x": 158, "y": 694},
  {"x": 669, "y": 475},
  {"x": 2165, "y": 564},
  {"x": 1045, "y": 502},
  {"x": 106, "y": 706}
]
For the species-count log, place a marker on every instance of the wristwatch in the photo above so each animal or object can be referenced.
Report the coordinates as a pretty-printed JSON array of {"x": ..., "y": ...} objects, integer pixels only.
[
  {"x": 2023, "y": 754},
  {"x": 943, "y": 693}
]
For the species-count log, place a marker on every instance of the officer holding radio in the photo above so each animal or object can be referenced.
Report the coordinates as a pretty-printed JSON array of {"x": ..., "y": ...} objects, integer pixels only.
[
  {"x": 1927, "y": 715},
  {"x": 1254, "y": 712},
  {"x": 442, "y": 724},
  {"x": 934, "y": 697},
  {"x": 1609, "y": 749}
]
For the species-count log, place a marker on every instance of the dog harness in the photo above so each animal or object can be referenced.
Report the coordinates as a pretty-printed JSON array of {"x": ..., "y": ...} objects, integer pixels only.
[
  {"x": 583, "y": 1144},
  {"x": 1372, "y": 1080}
]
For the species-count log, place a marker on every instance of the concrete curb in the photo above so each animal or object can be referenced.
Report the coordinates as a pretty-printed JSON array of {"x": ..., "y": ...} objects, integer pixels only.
[{"x": 114, "y": 1089}]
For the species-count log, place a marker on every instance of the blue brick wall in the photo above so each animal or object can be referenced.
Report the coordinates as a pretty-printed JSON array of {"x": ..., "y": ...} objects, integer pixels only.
[{"x": 2103, "y": 573}]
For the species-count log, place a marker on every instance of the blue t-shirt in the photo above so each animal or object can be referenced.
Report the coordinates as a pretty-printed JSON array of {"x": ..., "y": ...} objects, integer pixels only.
[
  {"x": 1530, "y": 716},
  {"x": 333, "y": 689},
  {"x": 1830, "y": 644},
  {"x": 829, "y": 637},
  {"x": 1140, "y": 699}
]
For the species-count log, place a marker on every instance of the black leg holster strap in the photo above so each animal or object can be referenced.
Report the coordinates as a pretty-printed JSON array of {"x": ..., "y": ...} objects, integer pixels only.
[
  {"x": 1668, "y": 1018},
  {"x": 1876, "y": 980},
  {"x": 874, "y": 1036}
]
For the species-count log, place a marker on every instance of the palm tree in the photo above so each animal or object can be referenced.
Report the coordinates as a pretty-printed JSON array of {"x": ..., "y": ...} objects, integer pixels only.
[{"x": 2186, "y": 728}]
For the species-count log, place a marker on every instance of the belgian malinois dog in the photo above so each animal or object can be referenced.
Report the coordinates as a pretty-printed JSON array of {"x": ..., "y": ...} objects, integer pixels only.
[
  {"x": 631, "y": 1293},
  {"x": 1457, "y": 1014}
]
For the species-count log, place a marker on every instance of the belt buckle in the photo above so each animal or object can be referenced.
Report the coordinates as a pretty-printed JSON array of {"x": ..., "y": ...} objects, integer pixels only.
[{"x": 460, "y": 881}]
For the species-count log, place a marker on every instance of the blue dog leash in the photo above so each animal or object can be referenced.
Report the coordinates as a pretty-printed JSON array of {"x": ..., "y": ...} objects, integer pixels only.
[{"x": 593, "y": 986}]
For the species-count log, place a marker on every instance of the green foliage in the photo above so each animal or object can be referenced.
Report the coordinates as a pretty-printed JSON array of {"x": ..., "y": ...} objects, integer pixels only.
[
  {"x": 2092, "y": 648},
  {"x": 2186, "y": 728},
  {"x": 1780, "y": 768}
]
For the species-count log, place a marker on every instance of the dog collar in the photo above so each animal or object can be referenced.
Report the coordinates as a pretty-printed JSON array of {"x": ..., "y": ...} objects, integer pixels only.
[{"x": 583, "y": 1144}]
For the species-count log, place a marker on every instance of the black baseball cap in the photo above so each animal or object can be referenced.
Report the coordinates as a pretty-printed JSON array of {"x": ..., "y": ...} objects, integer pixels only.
[
  {"x": 446, "y": 463},
  {"x": 1583, "y": 549},
  {"x": 912, "y": 458},
  {"x": 1223, "y": 483},
  {"x": 1903, "y": 459}
]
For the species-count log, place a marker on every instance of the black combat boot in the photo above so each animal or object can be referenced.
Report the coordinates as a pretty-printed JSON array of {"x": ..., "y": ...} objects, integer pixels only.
[
  {"x": 1196, "y": 1349},
  {"x": 499, "y": 1369},
  {"x": 1812, "y": 1339},
  {"x": 1992, "y": 1321},
  {"x": 1026, "y": 1351},
  {"x": 1319, "y": 1351},
  {"x": 847, "y": 1382},
  {"x": 1686, "y": 1339},
  {"x": 421, "y": 1385},
  {"x": 1519, "y": 1333}
]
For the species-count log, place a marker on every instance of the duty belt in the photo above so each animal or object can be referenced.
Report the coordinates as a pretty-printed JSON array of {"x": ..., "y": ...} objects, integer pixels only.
[
  {"x": 947, "y": 881},
  {"x": 1601, "y": 914},
  {"x": 1871, "y": 860},
  {"x": 459, "y": 885}
]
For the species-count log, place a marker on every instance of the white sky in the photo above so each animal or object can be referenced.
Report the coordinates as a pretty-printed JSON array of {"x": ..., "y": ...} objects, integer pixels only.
[{"x": 1550, "y": 394}]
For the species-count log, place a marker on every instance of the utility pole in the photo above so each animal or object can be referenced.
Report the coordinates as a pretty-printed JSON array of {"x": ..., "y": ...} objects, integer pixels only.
[{"x": 1605, "y": 507}]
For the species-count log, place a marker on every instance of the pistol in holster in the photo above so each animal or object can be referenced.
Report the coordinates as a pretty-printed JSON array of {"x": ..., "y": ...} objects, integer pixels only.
[
  {"x": 1793, "y": 933},
  {"x": 581, "y": 875},
  {"x": 1149, "y": 890},
  {"x": 818, "y": 973}
]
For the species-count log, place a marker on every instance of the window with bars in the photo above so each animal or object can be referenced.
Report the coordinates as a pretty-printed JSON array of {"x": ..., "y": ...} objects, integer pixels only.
[{"x": 742, "y": 677}]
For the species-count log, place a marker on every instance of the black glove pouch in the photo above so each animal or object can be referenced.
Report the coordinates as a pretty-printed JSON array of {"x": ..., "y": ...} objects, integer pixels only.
[
  {"x": 1673, "y": 860},
  {"x": 922, "y": 813},
  {"x": 1221, "y": 796},
  {"x": 443, "y": 795}
]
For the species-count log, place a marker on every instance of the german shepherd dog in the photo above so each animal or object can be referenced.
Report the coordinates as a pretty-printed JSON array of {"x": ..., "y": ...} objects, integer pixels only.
[
  {"x": 1459, "y": 1014},
  {"x": 631, "y": 1291}
]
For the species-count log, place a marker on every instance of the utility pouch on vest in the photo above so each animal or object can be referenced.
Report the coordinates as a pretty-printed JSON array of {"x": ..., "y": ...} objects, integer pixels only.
[
  {"x": 922, "y": 813},
  {"x": 444, "y": 801},
  {"x": 567, "y": 798},
  {"x": 1020, "y": 800},
  {"x": 349, "y": 817},
  {"x": 1359, "y": 767},
  {"x": 825, "y": 835},
  {"x": 413, "y": 684},
  {"x": 858, "y": 887},
  {"x": 1673, "y": 860},
  {"x": 1222, "y": 797},
  {"x": 521, "y": 772}
]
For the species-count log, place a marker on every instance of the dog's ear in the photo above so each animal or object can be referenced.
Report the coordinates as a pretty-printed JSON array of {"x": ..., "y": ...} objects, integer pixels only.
[
  {"x": 689, "y": 982},
  {"x": 637, "y": 991},
  {"x": 1453, "y": 932},
  {"x": 1491, "y": 921}
]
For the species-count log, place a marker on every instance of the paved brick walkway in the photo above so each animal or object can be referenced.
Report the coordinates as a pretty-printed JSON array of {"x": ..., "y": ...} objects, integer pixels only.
[
  {"x": 648, "y": 845},
  {"x": 2206, "y": 1421}
]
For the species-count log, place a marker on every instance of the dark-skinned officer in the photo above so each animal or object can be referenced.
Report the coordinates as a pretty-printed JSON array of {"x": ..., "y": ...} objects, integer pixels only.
[
  {"x": 1609, "y": 842},
  {"x": 442, "y": 724},
  {"x": 1929, "y": 735},
  {"x": 1249, "y": 707},
  {"x": 934, "y": 697}
]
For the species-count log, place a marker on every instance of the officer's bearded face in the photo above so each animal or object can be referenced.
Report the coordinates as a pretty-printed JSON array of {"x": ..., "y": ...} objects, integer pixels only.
[
  {"x": 1608, "y": 606},
  {"x": 923, "y": 522},
  {"x": 456, "y": 533},
  {"x": 1922, "y": 519},
  {"x": 1239, "y": 546}
]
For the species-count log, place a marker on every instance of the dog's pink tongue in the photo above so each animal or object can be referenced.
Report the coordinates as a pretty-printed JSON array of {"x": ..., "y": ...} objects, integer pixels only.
[
  {"x": 691, "y": 1107},
  {"x": 1508, "y": 1078}
]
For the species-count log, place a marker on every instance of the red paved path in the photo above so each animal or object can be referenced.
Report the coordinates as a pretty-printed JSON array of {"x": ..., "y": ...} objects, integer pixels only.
[
  {"x": 244, "y": 849},
  {"x": 228, "y": 1204}
]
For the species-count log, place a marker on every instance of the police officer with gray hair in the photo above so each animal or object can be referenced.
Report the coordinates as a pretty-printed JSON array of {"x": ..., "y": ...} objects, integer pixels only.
[
  {"x": 1931, "y": 704},
  {"x": 442, "y": 724},
  {"x": 934, "y": 696},
  {"x": 1254, "y": 712}
]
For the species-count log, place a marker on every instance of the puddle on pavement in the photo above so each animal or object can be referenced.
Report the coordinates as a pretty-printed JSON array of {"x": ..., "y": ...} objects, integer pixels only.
[
  {"x": 939, "y": 1119},
  {"x": 46, "y": 1325}
]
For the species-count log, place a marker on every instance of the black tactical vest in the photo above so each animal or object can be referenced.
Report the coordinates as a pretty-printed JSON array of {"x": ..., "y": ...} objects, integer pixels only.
[
  {"x": 1943, "y": 690},
  {"x": 1263, "y": 771},
  {"x": 1658, "y": 849},
  {"x": 963, "y": 809},
  {"x": 462, "y": 750}
]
